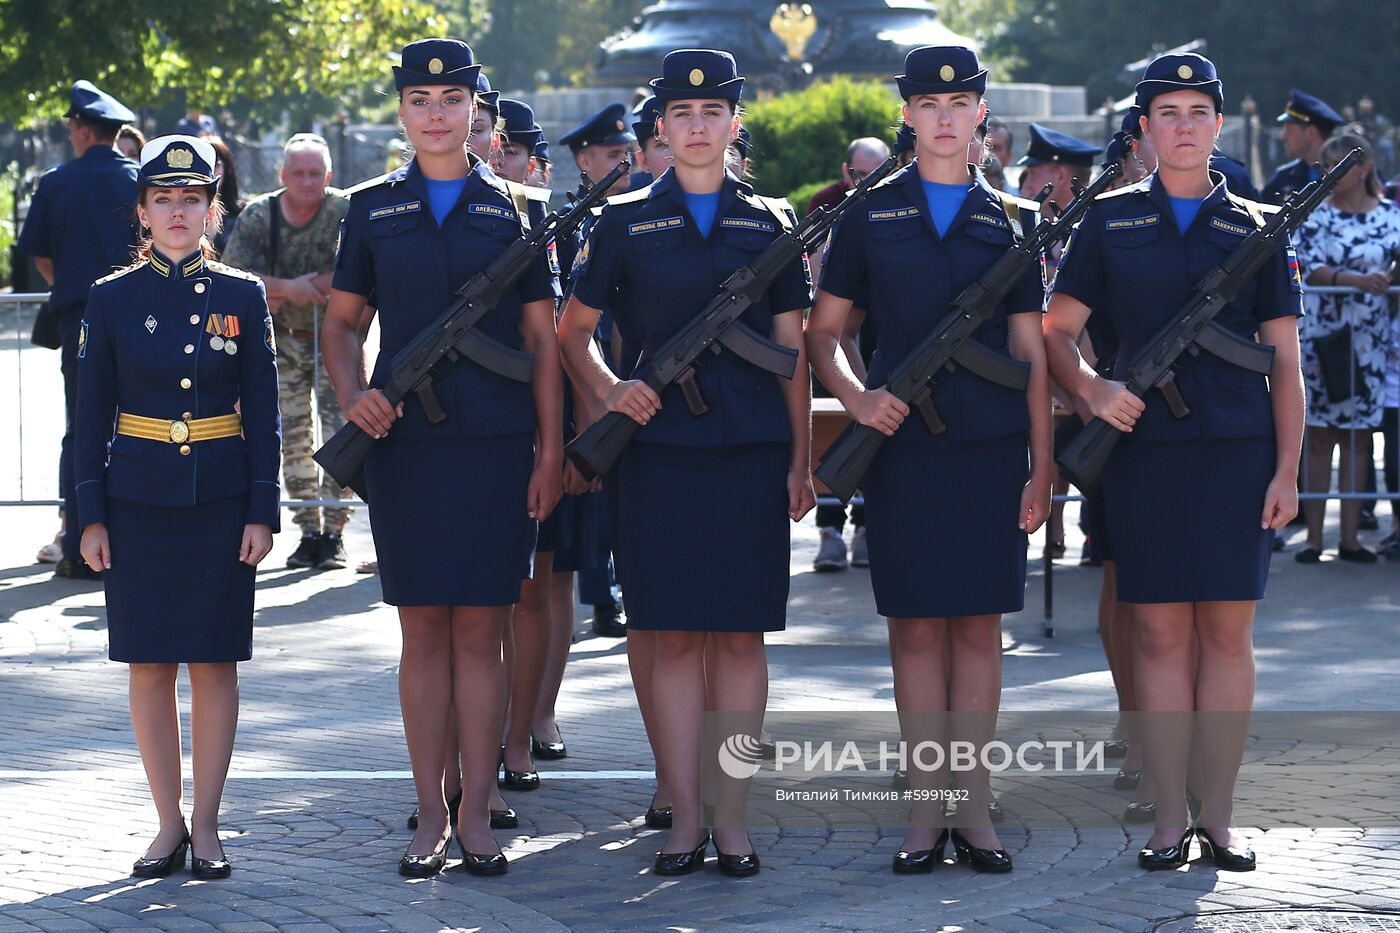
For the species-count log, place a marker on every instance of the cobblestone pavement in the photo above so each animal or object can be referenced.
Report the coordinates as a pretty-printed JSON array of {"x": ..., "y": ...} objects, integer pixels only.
[{"x": 314, "y": 812}]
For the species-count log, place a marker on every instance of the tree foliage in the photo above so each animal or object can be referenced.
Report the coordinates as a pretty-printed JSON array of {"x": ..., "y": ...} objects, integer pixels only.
[{"x": 551, "y": 43}]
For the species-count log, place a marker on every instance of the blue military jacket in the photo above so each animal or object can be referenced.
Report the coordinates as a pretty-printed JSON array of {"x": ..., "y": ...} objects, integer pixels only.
[
  {"x": 1289, "y": 177},
  {"x": 1127, "y": 259},
  {"x": 1236, "y": 175},
  {"x": 887, "y": 257},
  {"x": 392, "y": 247},
  {"x": 146, "y": 348},
  {"x": 646, "y": 260},
  {"x": 82, "y": 218}
]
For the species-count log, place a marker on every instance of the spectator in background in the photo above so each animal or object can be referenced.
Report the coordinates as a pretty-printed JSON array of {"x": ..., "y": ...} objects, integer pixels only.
[
  {"x": 863, "y": 156},
  {"x": 197, "y": 124},
  {"x": 288, "y": 238},
  {"x": 1352, "y": 240},
  {"x": 130, "y": 141},
  {"x": 226, "y": 170},
  {"x": 1307, "y": 124},
  {"x": 999, "y": 140}
]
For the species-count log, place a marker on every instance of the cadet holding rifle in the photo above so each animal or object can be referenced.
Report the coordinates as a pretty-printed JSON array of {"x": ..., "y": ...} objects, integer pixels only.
[
  {"x": 483, "y": 449},
  {"x": 1206, "y": 468},
  {"x": 949, "y": 498},
  {"x": 726, "y": 460}
]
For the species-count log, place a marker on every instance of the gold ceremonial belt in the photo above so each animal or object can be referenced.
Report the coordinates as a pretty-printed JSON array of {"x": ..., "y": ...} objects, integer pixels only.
[{"x": 179, "y": 432}]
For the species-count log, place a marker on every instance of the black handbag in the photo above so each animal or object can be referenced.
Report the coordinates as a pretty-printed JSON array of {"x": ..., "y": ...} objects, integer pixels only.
[
  {"x": 45, "y": 333},
  {"x": 1342, "y": 376}
]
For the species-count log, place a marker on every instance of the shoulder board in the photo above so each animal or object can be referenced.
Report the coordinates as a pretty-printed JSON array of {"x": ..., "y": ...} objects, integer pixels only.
[
  {"x": 597, "y": 211},
  {"x": 1138, "y": 188},
  {"x": 1249, "y": 205},
  {"x": 371, "y": 183},
  {"x": 628, "y": 197},
  {"x": 782, "y": 204},
  {"x": 121, "y": 272},
  {"x": 230, "y": 271}
]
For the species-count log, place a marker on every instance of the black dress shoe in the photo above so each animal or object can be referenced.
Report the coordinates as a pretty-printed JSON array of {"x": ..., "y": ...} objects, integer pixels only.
[
  {"x": 1127, "y": 780},
  {"x": 426, "y": 866},
  {"x": 210, "y": 869},
  {"x": 1225, "y": 857},
  {"x": 609, "y": 621},
  {"x": 1172, "y": 856},
  {"x": 453, "y": 806},
  {"x": 659, "y": 817},
  {"x": 737, "y": 866},
  {"x": 983, "y": 860},
  {"x": 549, "y": 751},
  {"x": 71, "y": 569},
  {"x": 681, "y": 863},
  {"x": 1357, "y": 555},
  {"x": 483, "y": 865},
  {"x": 161, "y": 867},
  {"x": 921, "y": 861},
  {"x": 1115, "y": 748},
  {"x": 1141, "y": 813},
  {"x": 519, "y": 780},
  {"x": 505, "y": 819}
]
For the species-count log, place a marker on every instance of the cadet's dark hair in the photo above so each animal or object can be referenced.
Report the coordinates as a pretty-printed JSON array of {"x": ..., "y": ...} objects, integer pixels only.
[
  {"x": 104, "y": 131},
  {"x": 212, "y": 225}
]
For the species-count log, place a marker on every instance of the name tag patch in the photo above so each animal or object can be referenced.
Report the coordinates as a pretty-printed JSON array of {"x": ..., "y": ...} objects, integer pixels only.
[
  {"x": 746, "y": 223},
  {"x": 992, "y": 219},
  {"x": 1228, "y": 227},
  {"x": 396, "y": 210},
  {"x": 652, "y": 226},
  {"x": 893, "y": 214},
  {"x": 1133, "y": 223},
  {"x": 492, "y": 210}
]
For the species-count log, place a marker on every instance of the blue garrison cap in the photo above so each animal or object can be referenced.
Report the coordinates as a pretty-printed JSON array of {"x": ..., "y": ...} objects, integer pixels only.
[
  {"x": 177, "y": 162},
  {"x": 644, "y": 119},
  {"x": 1131, "y": 127},
  {"x": 691, "y": 74},
  {"x": 1302, "y": 107},
  {"x": 607, "y": 127},
  {"x": 520, "y": 126},
  {"x": 436, "y": 62},
  {"x": 904, "y": 139},
  {"x": 941, "y": 69},
  {"x": 541, "y": 150},
  {"x": 743, "y": 143},
  {"x": 1049, "y": 145},
  {"x": 87, "y": 100},
  {"x": 1186, "y": 71},
  {"x": 485, "y": 97}
]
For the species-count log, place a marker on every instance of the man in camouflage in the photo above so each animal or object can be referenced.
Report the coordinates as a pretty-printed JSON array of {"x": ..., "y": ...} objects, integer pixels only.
[{"x": 288, "y": 238}]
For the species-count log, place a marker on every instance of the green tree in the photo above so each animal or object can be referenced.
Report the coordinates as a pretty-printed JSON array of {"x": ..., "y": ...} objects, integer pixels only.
[
  {"x": 257, "y": 49},
  {"x": 548, "y": 42}
]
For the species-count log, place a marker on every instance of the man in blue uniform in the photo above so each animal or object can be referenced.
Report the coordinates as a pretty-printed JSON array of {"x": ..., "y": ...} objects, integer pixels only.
[
  {"x": 656, "y": 154},
  {"x": 1307, "y": 124},
  {"x": 79, "y": 228},
  {"x": 1057, "y": 158}
]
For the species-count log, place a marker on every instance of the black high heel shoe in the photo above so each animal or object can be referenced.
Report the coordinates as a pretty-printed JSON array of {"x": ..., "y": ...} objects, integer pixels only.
[
  {"x": 483, "y": 865},
  {"x": 658, "y": 817},
  {"x": 1169, "y": 857},
  {"x": 163, "y": 866},
  {"x": 992, "y": 861},
  {"x": 1226, "y": 858},
  {"x": 920, "y": 861},
  {"x": 426, "y": 866},
  {"x": 453, "y": 806},
  {"x": 1127, "y": 780},
  {"x": 682, "y": 863},
  {"x": 210, "y": 869},
  {"x": 504, "y": 819},
  {"x": 1140, "y": 812},
  {"x": 517, "y": 780},
  {"x": 549, "y": 751},
  {"x": 737, "y": 866}
]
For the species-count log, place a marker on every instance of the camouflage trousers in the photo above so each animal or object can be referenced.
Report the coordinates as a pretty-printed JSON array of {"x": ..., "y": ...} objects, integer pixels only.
[{"x": 301, "y": 397}]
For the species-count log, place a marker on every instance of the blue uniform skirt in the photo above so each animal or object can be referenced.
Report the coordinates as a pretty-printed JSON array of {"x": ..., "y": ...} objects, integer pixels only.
[
  {"x": 1184, "y": 517},
  {"x": 449, "y": 518},
  {"x": 941, "y": 525},
  {"x": 571, "y": 533},
  {"x": 1098, "y": 538},
  {"x": 177, "y": 591},
  {"x": 703, "y": 537}
]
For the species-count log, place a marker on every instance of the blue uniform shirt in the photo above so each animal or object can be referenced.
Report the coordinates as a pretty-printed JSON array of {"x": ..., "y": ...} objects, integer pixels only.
[
  {"x": 887, "y": 258},
  {"x": 83, "y": 219},
  {"x": 646, "y": 261},
  {"x": 145, "y": 349},
  {"x": 1127, "y": 259},
  {"x": 392, "y": 247}
]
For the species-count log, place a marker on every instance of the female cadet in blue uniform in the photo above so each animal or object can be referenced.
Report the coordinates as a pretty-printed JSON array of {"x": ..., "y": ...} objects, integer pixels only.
[
  {"x": 736, "y": 473},
  {"x": 177, "y": 351},
  {"x": 411, "y": 238},
  {"x": 1192, "y": 503},
  {"x": 946, "y": 516}
]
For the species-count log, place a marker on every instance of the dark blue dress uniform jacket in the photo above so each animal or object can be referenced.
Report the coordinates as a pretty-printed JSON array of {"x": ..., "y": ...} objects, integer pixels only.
[
  {"x": 392, "y": 247},
  {"x": 82, "y": 218},
  {"x": 144, "y": 350},
  {"x": 646, "y": 260},
  {"x": 1288, "y": 178},
  {"x": 1128, "y": 259},
  {"x": 888, "y": 258}
]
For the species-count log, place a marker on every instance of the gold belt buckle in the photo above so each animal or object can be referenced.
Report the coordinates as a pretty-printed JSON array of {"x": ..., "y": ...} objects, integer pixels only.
[{"x": 179, "y": 432}]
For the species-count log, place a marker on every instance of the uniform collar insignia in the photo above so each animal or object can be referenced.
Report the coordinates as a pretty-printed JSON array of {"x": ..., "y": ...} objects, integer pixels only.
[{"x": 192, "y": 265}]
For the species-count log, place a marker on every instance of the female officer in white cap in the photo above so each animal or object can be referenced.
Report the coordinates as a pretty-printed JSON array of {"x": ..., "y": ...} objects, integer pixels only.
[{"x": 177, "y": 351}]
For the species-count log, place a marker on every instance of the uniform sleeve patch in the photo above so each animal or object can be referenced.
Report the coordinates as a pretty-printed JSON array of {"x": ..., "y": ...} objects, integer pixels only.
[
  {"x": 652, "y": 226},
  {"x": 269, "y": 340},
  {"x": 1133, "y": 223},
  {"x": 406, "y": 208},
  {"x": 553, "y": 258},
  {"x": 494, "y": 210},
  {"x": 746, "y": 223},
  {"x": 1228, "y": 227},
  {"x": 1295, "y": 274},
  {"x": 992, "y": 219},
  {"x": 893, "y": 213},
  {"x": 82, "y": 341}
]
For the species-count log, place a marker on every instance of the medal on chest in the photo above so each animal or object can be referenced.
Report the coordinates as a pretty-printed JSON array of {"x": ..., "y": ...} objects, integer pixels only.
[{"x": 222, "y": 328}]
